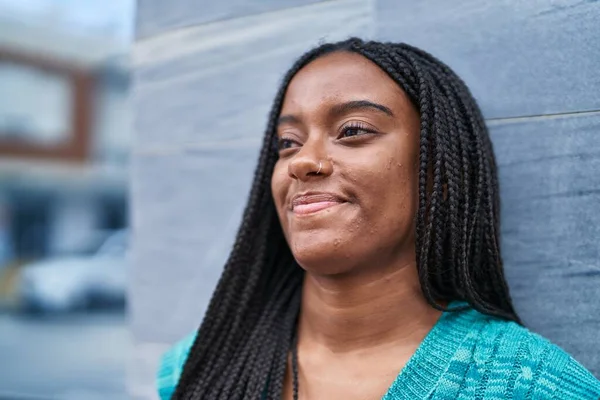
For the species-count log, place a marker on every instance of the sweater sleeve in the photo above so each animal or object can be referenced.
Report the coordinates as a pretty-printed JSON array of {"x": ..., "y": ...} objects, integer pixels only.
[
  {"x": 577, "y": 383},
  {"x": 171, "y": 365}
]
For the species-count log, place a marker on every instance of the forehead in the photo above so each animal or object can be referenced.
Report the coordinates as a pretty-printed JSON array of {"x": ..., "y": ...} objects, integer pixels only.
[{"x": 342, "y": 76}]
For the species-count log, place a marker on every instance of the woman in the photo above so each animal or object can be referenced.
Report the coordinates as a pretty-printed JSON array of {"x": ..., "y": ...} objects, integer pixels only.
[{"x": 367, "y": 264}]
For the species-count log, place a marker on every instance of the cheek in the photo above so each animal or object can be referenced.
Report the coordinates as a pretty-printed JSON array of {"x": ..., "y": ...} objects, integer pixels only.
[
  {"x": 280, "y": 182},
  {"x": 389, "y": 195}
]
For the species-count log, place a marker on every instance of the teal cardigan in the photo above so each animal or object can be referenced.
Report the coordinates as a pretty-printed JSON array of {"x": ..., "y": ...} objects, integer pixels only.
[{"x": 466, "y": 355}]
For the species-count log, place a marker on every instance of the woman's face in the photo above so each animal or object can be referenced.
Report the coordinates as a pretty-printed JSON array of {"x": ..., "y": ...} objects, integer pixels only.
[{"x": 346, "y": 182}]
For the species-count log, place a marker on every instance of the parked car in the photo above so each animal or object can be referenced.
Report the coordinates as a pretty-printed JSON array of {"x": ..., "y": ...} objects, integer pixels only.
[{"x": 72, "y": 283}]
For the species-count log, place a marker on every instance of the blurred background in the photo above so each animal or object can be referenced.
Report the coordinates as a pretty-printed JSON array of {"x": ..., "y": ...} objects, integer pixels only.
[
  {"x": 129, "y": 131},
  {"x": 65, "y": 139}
]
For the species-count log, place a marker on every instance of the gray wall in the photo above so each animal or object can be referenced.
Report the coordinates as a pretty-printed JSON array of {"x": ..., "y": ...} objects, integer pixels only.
[{"x": 205, "y": 74}]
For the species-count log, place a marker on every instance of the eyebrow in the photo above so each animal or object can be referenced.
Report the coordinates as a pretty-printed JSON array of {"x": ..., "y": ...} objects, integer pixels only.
[
  {"x": 340, "y": 109},
  {"x": 356, "y": 105},
  {"x": 288, "y": 119}
]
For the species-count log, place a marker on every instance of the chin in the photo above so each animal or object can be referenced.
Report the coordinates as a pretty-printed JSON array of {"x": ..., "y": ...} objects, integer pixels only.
[{"x": 322, "y": 257}]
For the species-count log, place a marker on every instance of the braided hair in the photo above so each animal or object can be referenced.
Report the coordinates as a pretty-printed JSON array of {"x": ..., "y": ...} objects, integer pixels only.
[{"x": 243, "y": 343}]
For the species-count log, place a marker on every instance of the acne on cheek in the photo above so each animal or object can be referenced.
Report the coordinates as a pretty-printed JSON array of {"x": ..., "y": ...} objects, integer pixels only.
[
  {"x": 389, "y": 164},
  {"x": 398, "y": 195}
]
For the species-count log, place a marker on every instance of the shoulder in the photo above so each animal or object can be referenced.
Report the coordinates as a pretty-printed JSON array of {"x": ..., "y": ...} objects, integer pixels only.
[
  {"x": 171, "y": 364},
  {"x": 530, "y": 365}
]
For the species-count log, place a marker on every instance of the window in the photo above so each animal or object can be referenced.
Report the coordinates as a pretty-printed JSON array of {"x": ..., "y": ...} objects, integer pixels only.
[
  {"x": 45, "y": 108},
  {"x": 36, "y": 105}
]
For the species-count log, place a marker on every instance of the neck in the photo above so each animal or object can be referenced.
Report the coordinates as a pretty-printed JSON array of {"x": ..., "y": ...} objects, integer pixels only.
[{"x": 354, "y": 312}]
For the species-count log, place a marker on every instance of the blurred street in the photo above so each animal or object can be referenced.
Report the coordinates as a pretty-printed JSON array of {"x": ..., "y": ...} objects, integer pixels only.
[{"x": 63, "y": 357}]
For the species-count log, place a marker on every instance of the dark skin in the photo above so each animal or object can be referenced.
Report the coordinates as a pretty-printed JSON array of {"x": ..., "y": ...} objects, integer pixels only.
[{"x": 346, "y": 192}]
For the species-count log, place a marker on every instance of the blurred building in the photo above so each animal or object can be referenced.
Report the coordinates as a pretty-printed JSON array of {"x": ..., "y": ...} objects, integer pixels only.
[{"x": 64, "y": 138}]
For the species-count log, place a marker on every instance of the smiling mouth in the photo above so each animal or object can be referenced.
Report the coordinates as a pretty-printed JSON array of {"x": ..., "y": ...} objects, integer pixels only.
[
  {"x": 306, "y": 209},
  {"x": 312, "y": 203}
]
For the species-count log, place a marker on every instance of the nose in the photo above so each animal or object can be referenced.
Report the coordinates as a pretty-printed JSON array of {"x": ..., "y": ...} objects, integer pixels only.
[{"x": 309, "y": 162}]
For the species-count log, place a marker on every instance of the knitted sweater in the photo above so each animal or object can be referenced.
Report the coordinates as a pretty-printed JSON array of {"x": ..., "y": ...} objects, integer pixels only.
[{"x": 466, "y": 355}]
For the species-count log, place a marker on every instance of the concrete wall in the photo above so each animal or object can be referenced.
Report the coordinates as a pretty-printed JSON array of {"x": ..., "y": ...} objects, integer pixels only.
[
  {"x": 205, "y": 75},
  {"x": 533, "y": 66}
]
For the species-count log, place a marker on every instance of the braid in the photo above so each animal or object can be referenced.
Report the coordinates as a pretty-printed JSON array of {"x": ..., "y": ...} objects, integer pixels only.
[{"x": 242, "y": 346}]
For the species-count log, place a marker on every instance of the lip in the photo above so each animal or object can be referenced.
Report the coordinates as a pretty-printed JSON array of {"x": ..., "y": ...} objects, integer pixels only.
[{"x": 312, "y": 202}]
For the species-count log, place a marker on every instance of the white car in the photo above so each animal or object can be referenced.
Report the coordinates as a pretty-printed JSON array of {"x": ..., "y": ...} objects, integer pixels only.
[{"x": 74, "y": 283}]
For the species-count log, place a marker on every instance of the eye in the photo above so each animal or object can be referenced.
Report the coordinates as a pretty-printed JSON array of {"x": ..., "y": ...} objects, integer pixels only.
[
  {"x": 355, "y": 129},
  {"x": 285, "y": 143}
]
